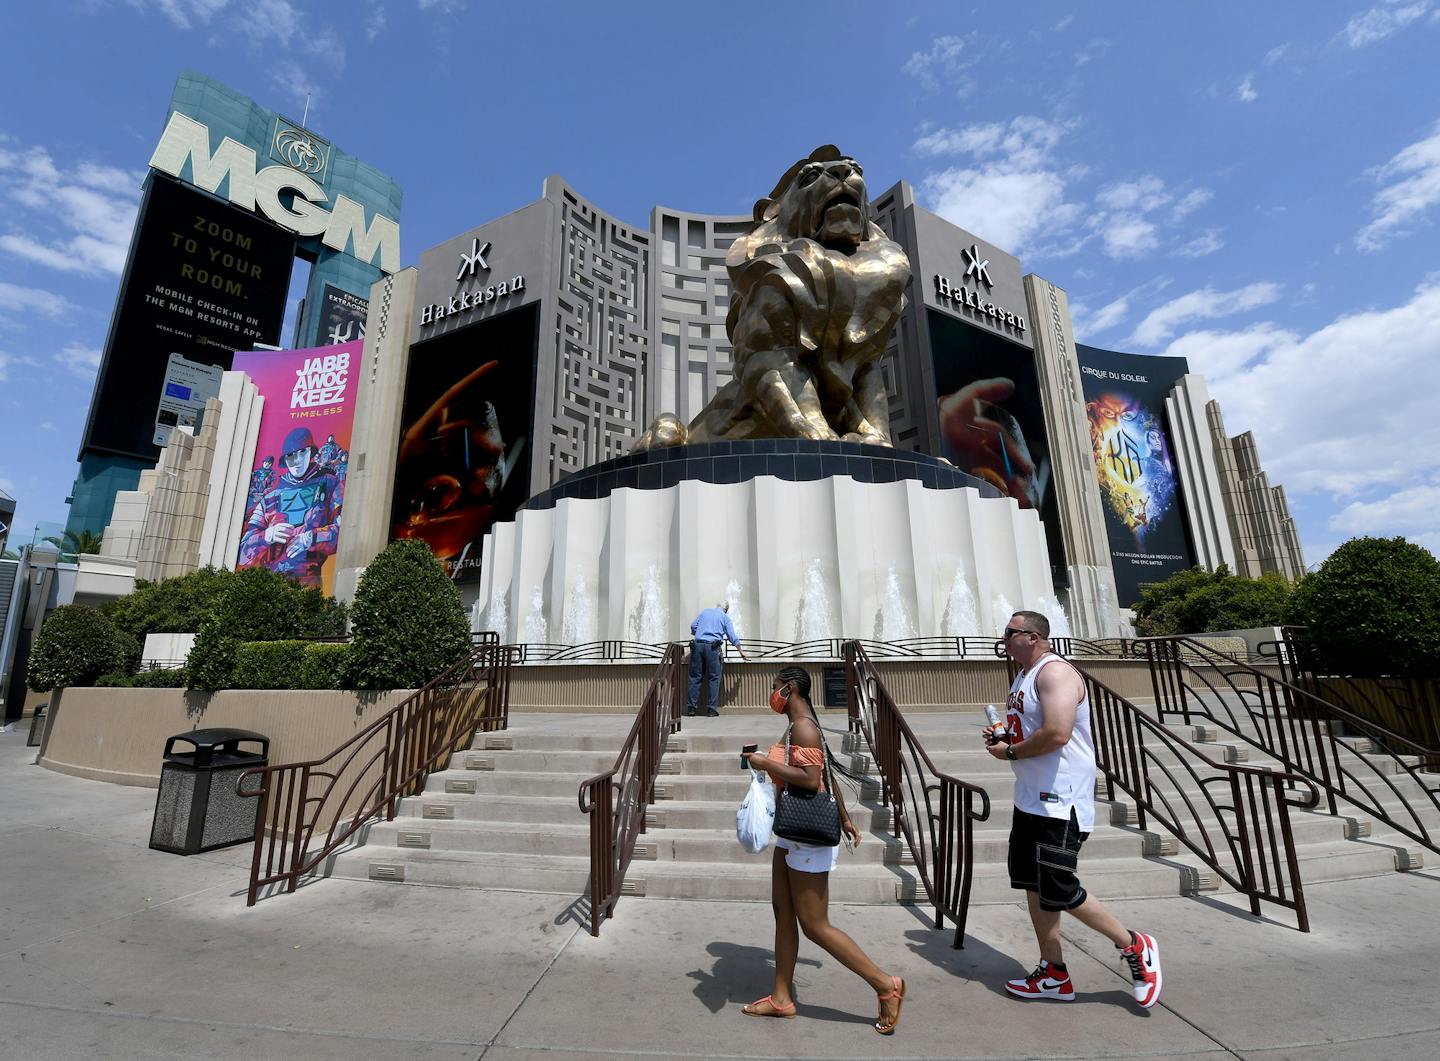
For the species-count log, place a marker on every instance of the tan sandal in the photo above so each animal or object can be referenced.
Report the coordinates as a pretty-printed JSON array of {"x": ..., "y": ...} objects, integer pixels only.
[
  {"x": 897, "y": 992},
  {"x": 776, "y": 1010}
]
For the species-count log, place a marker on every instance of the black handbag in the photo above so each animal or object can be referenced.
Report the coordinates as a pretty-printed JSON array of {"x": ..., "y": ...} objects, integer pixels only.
[{"x": 806, "y": 816}]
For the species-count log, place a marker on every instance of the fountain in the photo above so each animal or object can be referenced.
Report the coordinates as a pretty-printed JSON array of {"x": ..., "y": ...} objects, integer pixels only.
[
  {"x": 1052, "y": 609},
  {"x": 578, "y": 627},
  {"x": 537, "y": 627},
  {"x": 496, "y": 615},
  {"x": 732, "y": 598},
  {"x": 962, "y": 618},
  {"x": 812, "y": 620},
  {"x": 1000, "y": 611},
  {"x": 650, "y": 618},
  {"x": 892, "y": 618}
]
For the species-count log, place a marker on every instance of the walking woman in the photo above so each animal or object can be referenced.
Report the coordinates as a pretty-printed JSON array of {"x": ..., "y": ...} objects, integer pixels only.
[{"x": 800, "y": 873}]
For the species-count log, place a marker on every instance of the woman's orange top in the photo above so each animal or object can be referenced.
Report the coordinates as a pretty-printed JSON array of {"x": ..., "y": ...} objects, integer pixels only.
[{"x": 798, "y": 757}]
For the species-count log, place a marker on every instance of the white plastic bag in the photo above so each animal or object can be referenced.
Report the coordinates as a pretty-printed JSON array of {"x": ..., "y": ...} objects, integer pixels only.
[{"x": 755, "y": 820}]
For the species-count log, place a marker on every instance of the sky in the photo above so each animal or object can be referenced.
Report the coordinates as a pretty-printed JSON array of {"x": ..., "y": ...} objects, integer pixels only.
[{"x": 1255, "y": 187}]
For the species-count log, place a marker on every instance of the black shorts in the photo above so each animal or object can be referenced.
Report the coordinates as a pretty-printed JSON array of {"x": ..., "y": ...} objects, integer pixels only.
[{"x": 1043, "y": 854}]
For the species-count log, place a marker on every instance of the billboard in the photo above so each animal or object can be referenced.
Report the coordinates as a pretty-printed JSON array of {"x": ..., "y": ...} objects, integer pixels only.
[
  {"x": 465, "y": 438},
  {"x": 342, "y": 316},
  {"x": 992, "y": 422},
  {"x": 1134, "y": 462},
  {"x": 297, "y": 484},
  {"x": 203, "y": 280}
]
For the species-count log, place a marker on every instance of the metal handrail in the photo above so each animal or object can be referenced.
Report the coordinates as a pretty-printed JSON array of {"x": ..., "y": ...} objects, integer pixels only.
[
  {"x": 934, "y": 811},
  {"x": 309, "y": 809},
  {"x": 617, "y": 807},
  {"x": 827, "y": 648},
  {"x": 1258, "y": 854},
  {"x": 1299, "y": 729}
]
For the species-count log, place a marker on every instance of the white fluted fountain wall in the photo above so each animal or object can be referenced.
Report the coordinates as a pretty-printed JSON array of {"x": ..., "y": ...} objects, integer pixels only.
[{"x": 797, "y": 561}]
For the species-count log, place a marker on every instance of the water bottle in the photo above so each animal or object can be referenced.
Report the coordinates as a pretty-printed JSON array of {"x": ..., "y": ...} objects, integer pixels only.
[{"x": 997, "y": 724}]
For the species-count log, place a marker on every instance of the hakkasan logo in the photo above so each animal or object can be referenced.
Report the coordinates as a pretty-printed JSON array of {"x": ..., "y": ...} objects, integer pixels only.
[
  {"x": 472, "y": 264},
  {"x": 300, "y": 149},
  {"x": 321, "y": 381}
]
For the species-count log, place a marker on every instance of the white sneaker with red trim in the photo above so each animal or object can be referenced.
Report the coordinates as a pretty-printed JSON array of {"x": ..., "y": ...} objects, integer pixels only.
[
  {"x": 1143, "y": 957},
  {"x": 1044, "y": 982}
]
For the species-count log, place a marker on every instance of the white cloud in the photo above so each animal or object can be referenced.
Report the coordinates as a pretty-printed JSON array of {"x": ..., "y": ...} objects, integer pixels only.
[
  {"x": 943, "y": 59},
  {"x": 1103, "y": 319},
  {"x": 79, "y": 359},
  {"x": 1415, "y": 508},
  {"x": 1218, "y": 355},
  {"x": 1144, "y": 193},
  {"x": 185, "y": 14},
  {"x": 1092, "y": 50},
  {"x": 1245, "y": 91},
  {"x": 84, "y": 214},
  {"x": 7, "y": 361},
  {"x": 1064, "y": 23},
  {"x": 1012, "y": 187},
  {"x": 1415, "y": 188},
  {"x": 33, "y": 300},
  {"x": 375, "y": 19},
  {"x": 1205, "y": 304},
  {"x": 1128, "y": 236},
  {"x": 1275, "y": 54},
  {"x": 1348, "y": 409},
  {"x": 1190, "y": 202},
  {"x": 1208, "y": 242},
  {"x": 1375, "y": 25}
]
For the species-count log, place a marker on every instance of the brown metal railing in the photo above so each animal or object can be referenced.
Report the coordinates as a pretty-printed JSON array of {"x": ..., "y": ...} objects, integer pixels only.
[
  {"x": 1392, "y": 779},
  {"x": 616, "y": 800},
  {"x": 1235, "y": 819},
  {"x": 933, "y": 811},
  {"x": 308, "y": 810}
]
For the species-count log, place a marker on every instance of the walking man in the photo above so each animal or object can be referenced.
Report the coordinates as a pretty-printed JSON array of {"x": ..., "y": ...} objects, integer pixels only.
[
  {"x": 709, "y": 629},
  {"x": 1048, "y": 742}
]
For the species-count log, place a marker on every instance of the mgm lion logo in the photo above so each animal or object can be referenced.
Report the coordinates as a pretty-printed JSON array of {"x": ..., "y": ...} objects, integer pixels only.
[{"x": 816, "y": 291}]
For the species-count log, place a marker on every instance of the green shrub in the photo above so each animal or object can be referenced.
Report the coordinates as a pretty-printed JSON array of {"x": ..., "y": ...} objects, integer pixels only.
[
  {"x": 323, "y": 666},
  {"x": 170, "y": 606},
  {"x": 1198, "y": 601},
  {"x": 75, "y": 647},
  {"x": 267, "y": 665},
  {"x": 408, "y": 622},
  {"x": 113, "y": 681},
  {"x": 1373, "y": 608},
  {"x": 159, "y": 679},
  {"x": 257, "y": 605}
]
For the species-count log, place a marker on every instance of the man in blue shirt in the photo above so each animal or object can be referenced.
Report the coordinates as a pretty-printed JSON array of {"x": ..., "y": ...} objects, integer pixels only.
[{"x": 706, "y": 655}]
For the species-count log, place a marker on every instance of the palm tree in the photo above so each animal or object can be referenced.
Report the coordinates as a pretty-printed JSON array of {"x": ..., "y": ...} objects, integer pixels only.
[{"x": 75, "y": 543}]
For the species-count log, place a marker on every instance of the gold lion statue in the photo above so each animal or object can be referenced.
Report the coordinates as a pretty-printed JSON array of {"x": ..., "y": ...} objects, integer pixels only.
[{"x": 816, "y": 289}]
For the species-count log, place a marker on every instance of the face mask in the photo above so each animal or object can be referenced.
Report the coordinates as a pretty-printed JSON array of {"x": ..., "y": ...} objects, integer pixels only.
[{"x": 778, "y": 700}]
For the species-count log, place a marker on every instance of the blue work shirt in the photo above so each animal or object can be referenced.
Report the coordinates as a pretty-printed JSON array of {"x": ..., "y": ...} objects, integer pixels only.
[{"x": 712, "y": 624}]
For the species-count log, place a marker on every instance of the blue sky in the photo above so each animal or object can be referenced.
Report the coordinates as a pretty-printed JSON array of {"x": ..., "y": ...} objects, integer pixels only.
[{"x": 1253, "y": 186}]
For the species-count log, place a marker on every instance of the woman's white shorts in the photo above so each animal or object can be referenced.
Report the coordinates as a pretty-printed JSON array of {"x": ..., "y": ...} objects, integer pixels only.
[{"x": 808, "y": 858}]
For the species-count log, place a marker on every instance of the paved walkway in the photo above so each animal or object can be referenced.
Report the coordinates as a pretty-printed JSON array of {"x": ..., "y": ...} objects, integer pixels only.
[{"x": 110, "y": 950}]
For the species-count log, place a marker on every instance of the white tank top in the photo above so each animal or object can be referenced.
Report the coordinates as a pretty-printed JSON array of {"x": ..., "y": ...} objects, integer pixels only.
[{"x": 1051, "y": 784}]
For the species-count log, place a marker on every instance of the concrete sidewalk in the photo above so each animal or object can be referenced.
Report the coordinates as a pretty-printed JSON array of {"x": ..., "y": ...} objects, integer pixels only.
[{"x": 110, "y": 950}]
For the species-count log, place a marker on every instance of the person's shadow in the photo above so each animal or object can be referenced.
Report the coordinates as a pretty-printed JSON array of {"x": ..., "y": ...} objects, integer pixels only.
[
  {"x": 991, "y": 968},
  {"x": 741, "y": 974}
]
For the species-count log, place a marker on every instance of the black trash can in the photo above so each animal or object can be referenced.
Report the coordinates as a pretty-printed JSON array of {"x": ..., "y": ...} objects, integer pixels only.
[
  {"x": 37, "y": 726},
  {"x": 199, "y": 806}
]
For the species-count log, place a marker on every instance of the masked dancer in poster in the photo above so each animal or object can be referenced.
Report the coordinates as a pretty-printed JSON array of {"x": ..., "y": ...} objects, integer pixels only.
[{"x": 294, "y": 526}]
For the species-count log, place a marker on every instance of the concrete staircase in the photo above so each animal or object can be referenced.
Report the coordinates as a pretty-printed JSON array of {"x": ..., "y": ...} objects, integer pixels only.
[{"x": 505, "y": 815}]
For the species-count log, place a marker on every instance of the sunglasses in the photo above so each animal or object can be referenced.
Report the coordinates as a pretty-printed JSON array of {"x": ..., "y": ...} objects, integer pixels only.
[{"x": 1011, "y": 631}]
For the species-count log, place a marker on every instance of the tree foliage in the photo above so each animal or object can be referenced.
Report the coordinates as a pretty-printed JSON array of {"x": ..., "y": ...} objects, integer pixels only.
[
  {"x": 170, "y": 606},
  {"x": 409, "y": 624},
  {"x": 77, "y": 645},
  {"x": 257, "y": 604},
  {"x": 1373, "y": 608},
  {"x": 76, "y": 543},
  {"x": 1199, "y": 601}
]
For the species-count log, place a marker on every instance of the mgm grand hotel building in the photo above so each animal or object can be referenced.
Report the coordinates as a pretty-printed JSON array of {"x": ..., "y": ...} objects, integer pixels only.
[{"x": 576, "y": 329}]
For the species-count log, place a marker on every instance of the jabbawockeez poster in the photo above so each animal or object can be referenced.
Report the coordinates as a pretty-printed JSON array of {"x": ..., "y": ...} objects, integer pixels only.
[{"x": 297, "y": 485}]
